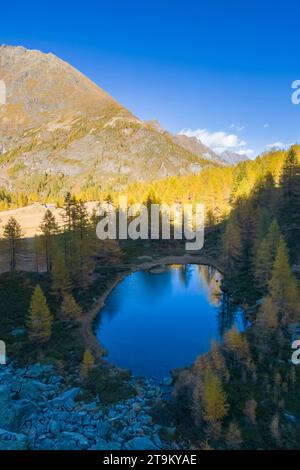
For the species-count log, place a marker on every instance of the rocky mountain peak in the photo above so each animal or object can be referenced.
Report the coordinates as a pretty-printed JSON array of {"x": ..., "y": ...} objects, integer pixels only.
[{"x": 59, "y": 127}]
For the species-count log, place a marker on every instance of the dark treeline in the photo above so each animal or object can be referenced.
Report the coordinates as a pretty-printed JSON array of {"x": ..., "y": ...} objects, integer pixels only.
[
  {"x": 244, "y": 392},
  {"x": 66, "y": 257}
]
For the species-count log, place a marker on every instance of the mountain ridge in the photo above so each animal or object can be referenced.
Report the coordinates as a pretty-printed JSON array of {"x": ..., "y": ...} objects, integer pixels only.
[{"x": 59, "y": 131}]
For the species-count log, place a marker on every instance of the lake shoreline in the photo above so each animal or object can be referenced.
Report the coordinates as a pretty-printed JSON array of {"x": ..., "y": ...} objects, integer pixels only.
[{"x": 87, "y": 332}]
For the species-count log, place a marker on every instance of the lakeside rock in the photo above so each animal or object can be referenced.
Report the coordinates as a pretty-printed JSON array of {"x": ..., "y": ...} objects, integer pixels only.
[{"x": 38, "y": 411}]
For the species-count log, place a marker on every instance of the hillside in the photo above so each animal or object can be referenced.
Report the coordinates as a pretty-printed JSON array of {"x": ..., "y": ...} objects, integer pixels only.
[{"x": 60, "y": 131}]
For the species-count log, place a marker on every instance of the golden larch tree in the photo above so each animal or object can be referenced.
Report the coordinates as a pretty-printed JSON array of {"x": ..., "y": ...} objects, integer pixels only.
[{"x": 40, "y": 319}]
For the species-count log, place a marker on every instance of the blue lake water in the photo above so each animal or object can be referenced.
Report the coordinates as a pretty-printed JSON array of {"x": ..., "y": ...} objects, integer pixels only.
[{"x": 154, "y": 322}]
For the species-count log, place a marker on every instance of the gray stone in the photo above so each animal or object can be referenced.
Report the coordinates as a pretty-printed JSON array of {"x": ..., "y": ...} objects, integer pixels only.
[
  {"x": 72, "y": 393},
  {"x": 70, "y": 428},
  {"x": 23, "y": 409},
  {"x": 7, "y": 412},
  {"x": 140, "y": 443},
  {"x": 103, "y": 428},
  {"x": 55, "y": 380},
  {"x": 86, "y": 420},
  {"x": 81, "y": 442},
  {"x": 145, "y": 419},
  {"x": 91, "y": 406},
  {"x": 157, "y": 441},
  {"x": 64, "y": 444},
  {"x": 89, "y": 433},
  {"x": 12, "y": 445},
  {"x": 4, "y": 392},
  {"x": 36, "y": 370},
  {"x": 54, "y": 426},
  {"x": 12, "y": 440},
  {"x": 101, "y": 444},
  {"x": 69, "y": 404},
  {"x": 32, "y": 390},
  {"x": 11, "y": 436},
  {"x": 16, "y": 386},
  {"x": 66, "y": 399},
  {"x": 46, "y": 444}
]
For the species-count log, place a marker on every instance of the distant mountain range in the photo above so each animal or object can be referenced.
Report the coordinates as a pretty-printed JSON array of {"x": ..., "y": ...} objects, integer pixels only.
[
  {"x": 198, "y": 148},
  {"x": 233, "y": 158},
  {"x": 59, "y": 128}
]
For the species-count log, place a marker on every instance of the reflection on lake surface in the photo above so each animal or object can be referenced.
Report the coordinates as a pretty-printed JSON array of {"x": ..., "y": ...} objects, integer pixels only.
[{"x": 153, "y": 323}]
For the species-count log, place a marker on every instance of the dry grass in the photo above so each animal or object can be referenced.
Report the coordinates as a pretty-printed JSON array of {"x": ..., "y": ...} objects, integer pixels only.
[{"x": 30, "y": 217}]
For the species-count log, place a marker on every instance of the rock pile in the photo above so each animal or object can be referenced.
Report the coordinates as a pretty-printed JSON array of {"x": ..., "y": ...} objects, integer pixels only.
[{"x": 38, "y": 412}]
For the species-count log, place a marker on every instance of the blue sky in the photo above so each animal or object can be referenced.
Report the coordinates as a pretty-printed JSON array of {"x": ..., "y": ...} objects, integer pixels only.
[{"x": 215, "y": 68}]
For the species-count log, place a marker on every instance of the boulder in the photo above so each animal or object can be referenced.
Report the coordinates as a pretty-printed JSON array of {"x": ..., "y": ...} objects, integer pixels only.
[
  {"x": 32, "y": 390},
  {"x": 72, "y": 393},
  {"x": 23, "y": 410},
  {"x": 140, "y": 443},
  {"x": 36, "y": 371},
  {"x": 16, "y": 386},
  {"x": 12, "y": 441},
  {"x": 12, "y": 445},
  {"x": 54, "y": 426},
  {"x": 103, "y": 429},
  {"x": 66, "y": 399},
  {"x": 7, "y": 412},
  {"x": 79, "y": 440},
  {"x": 101, "y": 444}
]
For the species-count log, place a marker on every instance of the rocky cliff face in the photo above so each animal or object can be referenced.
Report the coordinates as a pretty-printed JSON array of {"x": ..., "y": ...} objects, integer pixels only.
[
  {"x": 198, "y": 148},
  {"x": 59, "y": 129},
  {"x": 232, "y": 158}
]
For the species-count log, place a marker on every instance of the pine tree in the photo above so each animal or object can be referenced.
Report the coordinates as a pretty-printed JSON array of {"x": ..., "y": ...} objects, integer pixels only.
[
  {"x": 265, "y": 256},
  {"x": 217, "y": 361},
  {"x": 87, "y": 248},
  {"x": 210, "y": 220},
  {"x": 247, "y": 217},
  {"x": 38, "y": 255},
  {"x": 250, "y": 410},
  {"x": 87, "y": 363},
  {"x": 205, "y": 445},
  {"x": 12, "y": 234},
  {"x": 274, "y": 428},
  {"x": 283, "y": 288},
  {"x": 94, "y": 219},
  {"x": 49, "y": 228},
  {"x": 267, "y": 318},
  {"x": 70, "y": 311},
  {"x": 69, "y": 216},
  {"x": 237, "y": 343},
  {"x": 80, "y": 218},
  {"x": 289, "y": 202},
  {"x": 264, "y": 222},
  {"x": 233, "y": 437},
  {"x": 61, "y": 282},
  {"x": 232, "y": 247},
  {"x": 69, "y": 211},
  {"x": 39, "y": 321},
  {"x": 214, "y": 398},
  {"x": 264, "y": 193}
]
